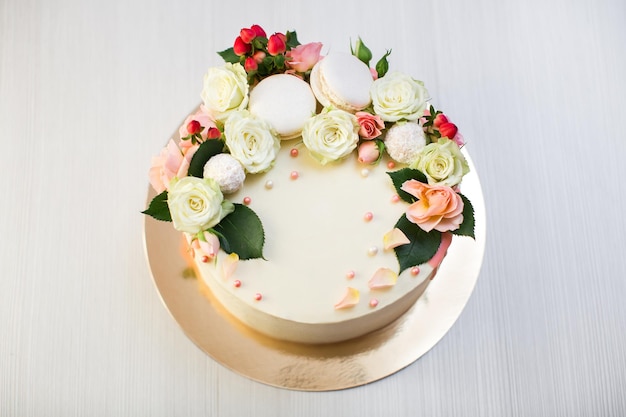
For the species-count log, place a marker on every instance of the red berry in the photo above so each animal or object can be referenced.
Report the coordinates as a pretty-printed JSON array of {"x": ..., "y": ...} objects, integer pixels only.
[
  {"x": 258, "y": 30},
  {"x": 276, "y": 44},
  {"x": 240, "y": 47},
  {"x": 194, "y": 127},
  {"x": 250, "y": 64},
  {"x": 213, "y": 133},
  {"x": 440, "y": 119},
  {"x": 448, "y": 130},
  {"x": 247, "y": 35}
]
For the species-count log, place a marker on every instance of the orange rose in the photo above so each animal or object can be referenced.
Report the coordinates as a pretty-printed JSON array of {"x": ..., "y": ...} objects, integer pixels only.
[{"x": 438, "y": 206}]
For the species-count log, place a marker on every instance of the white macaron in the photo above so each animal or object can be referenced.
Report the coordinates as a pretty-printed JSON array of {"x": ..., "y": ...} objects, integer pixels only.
[
  {"x": 285, "y": 101},
  {"x": 341, "y": 80}
]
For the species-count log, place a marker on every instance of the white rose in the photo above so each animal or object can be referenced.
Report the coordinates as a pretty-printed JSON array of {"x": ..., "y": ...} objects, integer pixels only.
[
  {"x": 251, "y": 141},
  {"x": 196, "y": 204},
  {"x": 442, "y": 162},
  {"x": 225, "y": 89},
  {"x": 397, "y": 96},
  {"x": 331, "y": 135}
]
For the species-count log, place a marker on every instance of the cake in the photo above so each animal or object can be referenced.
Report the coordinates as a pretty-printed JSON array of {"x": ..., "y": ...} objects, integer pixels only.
[{"x": 318, "y": 195}]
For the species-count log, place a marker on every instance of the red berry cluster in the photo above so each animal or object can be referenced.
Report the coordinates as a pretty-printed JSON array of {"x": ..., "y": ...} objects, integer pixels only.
[
  {"x": 259, "y": 54},
  {"x": 438, "y": 126}
]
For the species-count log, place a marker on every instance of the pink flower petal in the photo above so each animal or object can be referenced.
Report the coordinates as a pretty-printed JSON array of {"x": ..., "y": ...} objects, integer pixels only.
[
  {"x": 383, "y": 278},
  {"x": 446, "y": 239},
  {"x": 394, "y": 238},
  {"x": 229, "y": 265},
  {"x": 350, "y": 299}
]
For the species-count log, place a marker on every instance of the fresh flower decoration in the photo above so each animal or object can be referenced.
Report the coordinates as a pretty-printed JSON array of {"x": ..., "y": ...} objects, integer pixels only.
[{"x": 223, "y": 142}]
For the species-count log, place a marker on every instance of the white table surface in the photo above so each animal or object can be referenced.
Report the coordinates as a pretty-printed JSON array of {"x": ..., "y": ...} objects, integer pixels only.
[{"x": 89, "y": 90}]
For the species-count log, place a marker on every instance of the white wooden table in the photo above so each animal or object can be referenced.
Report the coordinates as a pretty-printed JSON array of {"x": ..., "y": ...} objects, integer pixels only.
[{"x": 89, "y": 90}]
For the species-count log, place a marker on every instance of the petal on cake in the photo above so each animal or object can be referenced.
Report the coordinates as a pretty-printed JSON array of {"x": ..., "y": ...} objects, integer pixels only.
[
  {"x": 229, "y": 265},
  {"x": 394, "y": 238},
  {"x": 350, "y": 299},
  {"x": 383, "y": 278}
]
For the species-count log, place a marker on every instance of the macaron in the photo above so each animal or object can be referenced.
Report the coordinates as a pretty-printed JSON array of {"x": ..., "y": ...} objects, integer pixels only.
[
  {"x": 285, "y": 101},
  {"x": 341, "y": 80}
]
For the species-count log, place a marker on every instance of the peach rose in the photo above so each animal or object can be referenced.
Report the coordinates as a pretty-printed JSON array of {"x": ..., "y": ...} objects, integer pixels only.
[
  {"x": 371, "y": 125},
  {"x": 169, "y": 164},
  {"x": 303, "y": 57},
  {"x": 438, "y": 206}
]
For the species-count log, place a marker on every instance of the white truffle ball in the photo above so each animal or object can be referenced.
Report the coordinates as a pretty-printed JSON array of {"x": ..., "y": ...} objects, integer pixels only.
[
  {"x": 227, "y": 171},
  {"x": 404, "y": 141}
]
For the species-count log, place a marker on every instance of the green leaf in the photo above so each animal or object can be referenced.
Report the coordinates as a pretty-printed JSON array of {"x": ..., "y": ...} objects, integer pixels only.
[
  {"x": 292, "y": 40},
  {"x": 423, "y": 245},
  {"x": 382, "y": 66},
  {"x": 242, "y": 232},
  {"x": 362, "y": 52},
  {"x": 467, "y": 227},
  {"x": 228, "y": 55},
  {"x": 158, "y": 208},
  {"x": 206, "y": 150},
  {"x": 399, "y": 177},
  {"x": 279, "y": 61}
]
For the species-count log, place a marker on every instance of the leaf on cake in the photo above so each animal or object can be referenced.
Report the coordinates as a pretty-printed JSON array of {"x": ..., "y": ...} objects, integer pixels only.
[
  {"x": 401, "y": 176},
  {"x": 383, "y": 278},
  {"x": 241, "y": 232},
  {"x": 467, "y": 227},
  {"x": 206, "y": 150},
  {"x": 349, "y": 299},
  {"x": 158, "y": 208},
  {"x": 422, "y": 246}
]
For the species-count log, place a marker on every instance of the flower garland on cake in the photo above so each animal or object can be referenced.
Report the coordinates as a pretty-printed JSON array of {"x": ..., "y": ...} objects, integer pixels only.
[{"x": 223, "y": 142}]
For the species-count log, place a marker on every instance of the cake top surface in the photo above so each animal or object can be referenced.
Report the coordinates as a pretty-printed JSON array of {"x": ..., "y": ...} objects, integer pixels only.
[{"x": 383, "y": 123}]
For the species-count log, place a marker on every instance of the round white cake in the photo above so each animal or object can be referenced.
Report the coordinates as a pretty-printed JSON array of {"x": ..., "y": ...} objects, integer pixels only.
[
  {"x": 319, "y": 195},
  {"x": 319, "y": 243}
]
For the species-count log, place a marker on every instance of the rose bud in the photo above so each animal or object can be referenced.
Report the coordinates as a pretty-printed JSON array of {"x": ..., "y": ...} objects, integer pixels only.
[
  {"x": 440, "y": 119},
  {"x": 448, "y": 130},
  {"x": 258, "y": 31},
  {"x": 247, "y": 35},
  {"x": 368, "y": 152},
  {"x": 276, "y": 44},
  {"x": 250, "y": 64},
  {"x": 240, "y": 47},
  {"x": 194, "y": 127}
]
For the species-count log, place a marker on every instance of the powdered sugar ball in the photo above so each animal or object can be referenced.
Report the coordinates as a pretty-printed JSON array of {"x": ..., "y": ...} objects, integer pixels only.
[
  {"x": 227, "y": 171},
  {"x": 404, "y": 141}
]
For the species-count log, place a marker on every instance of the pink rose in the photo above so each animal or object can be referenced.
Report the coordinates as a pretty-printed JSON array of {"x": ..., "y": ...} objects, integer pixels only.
[
  {"x": 371, "y": 125},
  {"x": 209, "y": 131},
  {"x": 374, "y": 73},
  {"x": 368, "y": 152},
  {"x": 169, "y": 164},
  {"x": 303, "y": 57},
  {"x": 438, "y": 206}
]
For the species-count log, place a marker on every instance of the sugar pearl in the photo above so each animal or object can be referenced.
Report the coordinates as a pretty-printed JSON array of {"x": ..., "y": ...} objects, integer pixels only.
[
  {"x": 293, "y": 152},
  {"x": 372, "y": 251},
  {"x": 373, "y": 302},
  {"x": 294, "y": 175},
  {"x": 365, "y": 172},
  {"x": 391, "y": 165},
  {"x": 258, "y": 296},
  {"x": 350, "y": 274},
  {"x": 269, "y": 184},
  {"x": 247, "y": 201},
  {"x": 237, "y": 283},
  {"x": 368, "y": 216},
  {"x": 395, "y": 198},
  {"x": 205, "y": 259},
  {"x": 415, "y": 270}
]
